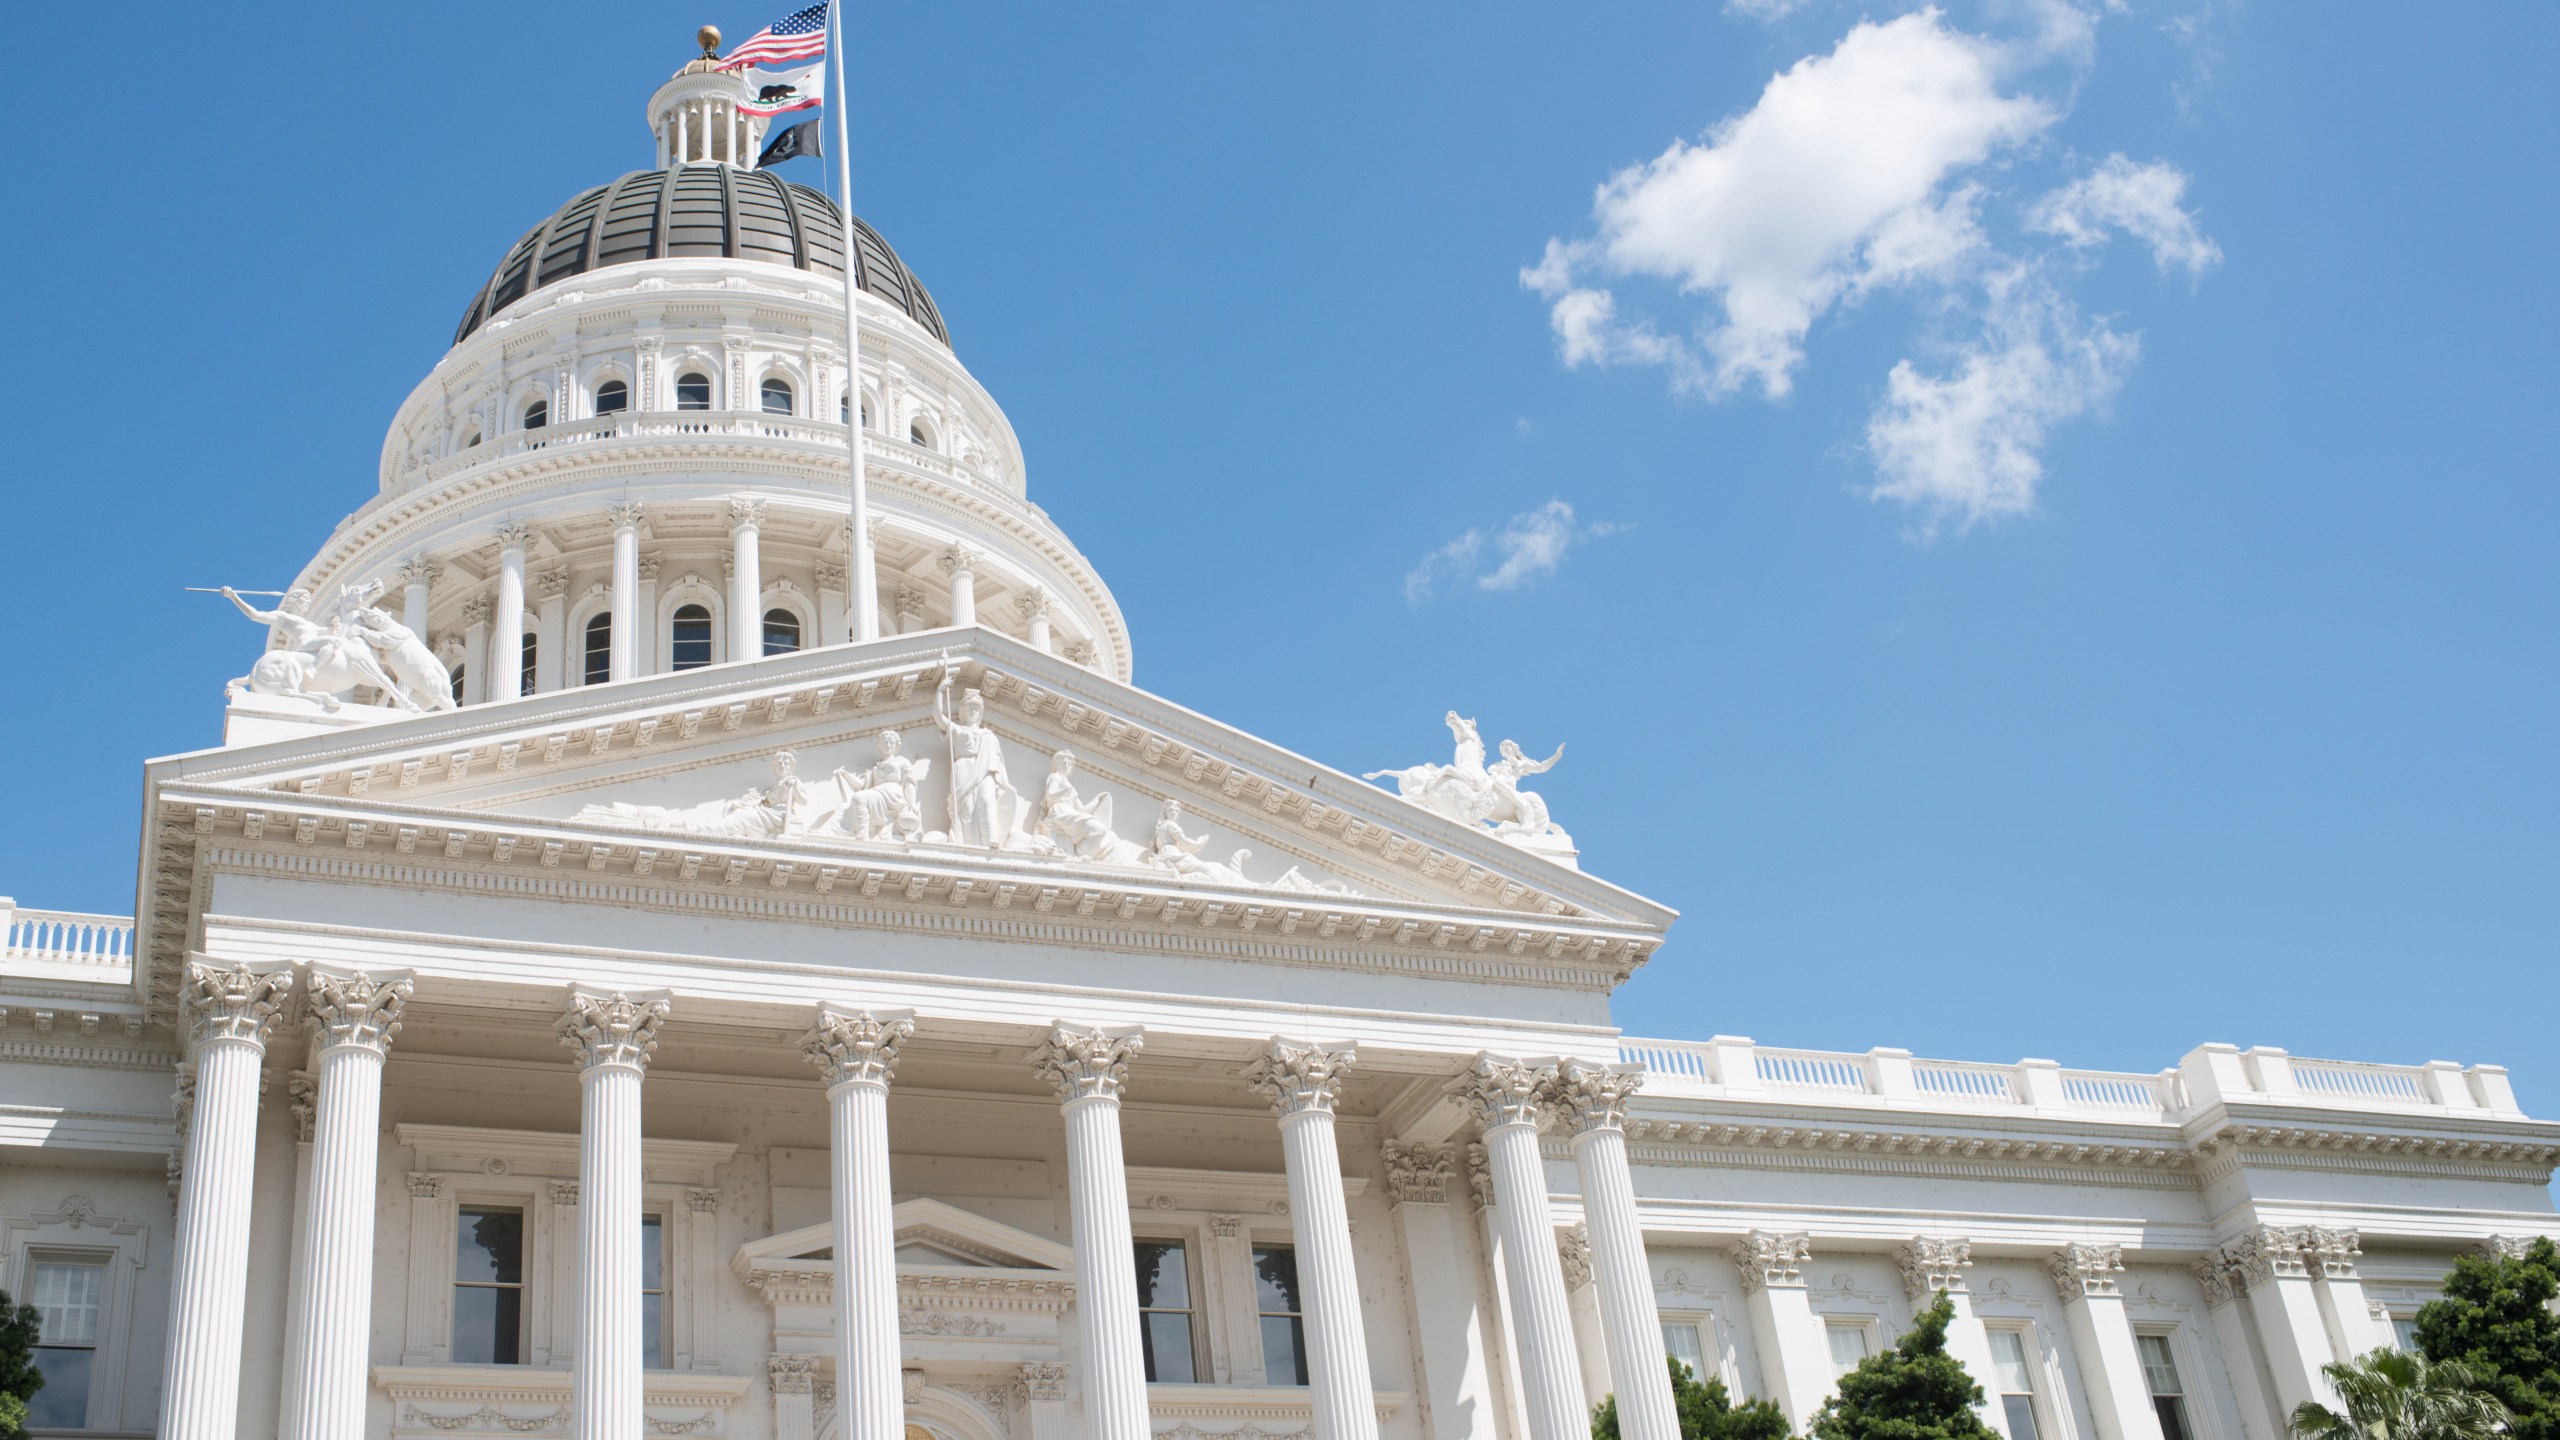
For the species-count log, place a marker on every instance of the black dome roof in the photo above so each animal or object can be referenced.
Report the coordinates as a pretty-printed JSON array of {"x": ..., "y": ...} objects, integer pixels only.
[{"x": 698, "y": 210}]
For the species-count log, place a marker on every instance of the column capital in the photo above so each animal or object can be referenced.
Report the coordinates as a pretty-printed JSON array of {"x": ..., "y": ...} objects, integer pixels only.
[
  {"x": 831, "y": 577},
  {"x": 1504, "y": 1091},
  {"x": 1931, "y": 1263},
  {"x": 2333, "y": 1250},
  {"x": 234, "y": 1003},
  {"x": 514, "y": 535},
  {"x": 626, "y": 515},
  {"x": 551, "y": 584},
  {"x": 2508, "y": 1247},
  {"x": 746, "y": 512},
  {"x": 1298, "y": 1079},
  {"x": 649, "y": 566},
  {"x": 475, "y": 611},
  {"x": 419, "y": 571},
  {"x": 791, "y": 1374},
  {"x": 1573, "y": 1252},
  {"x": 1042, "y": 1381},
  {"x": 2270, "y": 1252},
  {"x": 860, "y": 1048},
  {"x": 2080, "y": 1270},
  {"x": 1594, "y": 1097},
  {"x": 350, "y": 1007},
  {"x": 1418, "y": 1174},
  {"x": 2213, "y": 1272},
  {"x": 1032, "y": 602},
  {"x": 961, "y": 560},
  {"x": 1772, "y": 1259},
  {"x": 1085, "y": 1062},
  {"x": 1081, "y": 652},
  {"x": 907, "y": 601},
  {"x": 872, "y": 528},
  {"x": 612, "y": 1028}
]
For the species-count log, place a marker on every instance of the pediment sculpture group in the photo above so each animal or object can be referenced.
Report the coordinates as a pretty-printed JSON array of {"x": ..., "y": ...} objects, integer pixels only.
[{"x": 323, "y": 660}]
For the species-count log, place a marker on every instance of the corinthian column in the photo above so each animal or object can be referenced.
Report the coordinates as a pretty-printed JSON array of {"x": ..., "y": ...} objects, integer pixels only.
[
  {"x": 506, "y": 644},
  {"x": 226, "y": 1014},
  {"x": 612, "y": 1034},
  {"x": 622, "y": 647},
  {"x": 355, "y": 1017},
  {"x": 1088, "y": 1066},
  {"x": 1594, "y": 1099},
  {"x": 1034, "y": 605},
  {"x": 961, "y": 563},
  {"x": 1505, "y": 1095},
  {"x": 415, "y": 579},
  {"x": 1301, "y": 1082},
  {"x": 746, "y": 579},
  {"x": 2102, "y": 1338},
  {"x": 855, "y": 1054}
]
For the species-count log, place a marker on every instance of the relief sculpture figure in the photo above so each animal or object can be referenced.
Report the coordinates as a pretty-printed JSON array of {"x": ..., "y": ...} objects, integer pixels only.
[
  {"x": 1079, "y": 827},
  {"x": 986, "y": 810},
  {"x": 884, "y": 802}
]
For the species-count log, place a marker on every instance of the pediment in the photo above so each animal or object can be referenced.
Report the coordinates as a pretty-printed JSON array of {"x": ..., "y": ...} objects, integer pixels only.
[
  {"x": 931, "y": 1234},
  {"x": 650, "y": 780}
]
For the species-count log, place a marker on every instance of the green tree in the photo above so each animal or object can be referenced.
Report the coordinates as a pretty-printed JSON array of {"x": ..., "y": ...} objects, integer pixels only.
[
  {"x": 19, "y": 1377},
  {"x": 1914, "y": 1391},
  {"x": 1706, "y": 1412},
  {"x": 2495, "y": 1318},
  {"x": 2394, "y": 1395}
]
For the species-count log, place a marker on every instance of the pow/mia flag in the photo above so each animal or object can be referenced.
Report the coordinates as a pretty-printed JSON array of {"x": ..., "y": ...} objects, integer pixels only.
[{"x": 809, "y": 138}]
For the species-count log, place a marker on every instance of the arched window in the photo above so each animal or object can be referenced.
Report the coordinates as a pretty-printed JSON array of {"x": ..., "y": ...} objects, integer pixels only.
[
  {"x": 600, "y": 648},
  {"x": 457, "y": 671},
  {"x": 692, "y": 636},
  {"x": 918, "y": 435},
  {"x": 524, "y": 679},
  {"x": 777, "y": 397},
  {"x": 781, "y": 632},
  {"x": 612, "y": 398},
  {"x": 693, "y": 391},
  {"x": 474, "y": 440},
  {"x": 537, "y": 414}
]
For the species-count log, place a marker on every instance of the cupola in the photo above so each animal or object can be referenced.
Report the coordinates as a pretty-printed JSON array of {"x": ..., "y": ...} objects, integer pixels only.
[{"x": 695, "y": 115}]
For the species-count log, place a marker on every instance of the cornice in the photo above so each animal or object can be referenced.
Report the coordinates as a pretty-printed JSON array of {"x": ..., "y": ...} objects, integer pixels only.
[
  {"x": 2508, "y": 1150},
  {"x": 1910, "y": 1147}
]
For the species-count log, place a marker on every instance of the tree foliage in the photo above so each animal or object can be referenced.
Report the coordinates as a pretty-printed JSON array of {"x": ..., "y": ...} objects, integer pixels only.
[
  {"x": 2394, "y": 1395},
  {"x": 2495, "y": 1318},
  {"x": 19, "y": 1378},
  {"x": 1914, "y": 1391},
  {"x": 1706, "y": 1412}
]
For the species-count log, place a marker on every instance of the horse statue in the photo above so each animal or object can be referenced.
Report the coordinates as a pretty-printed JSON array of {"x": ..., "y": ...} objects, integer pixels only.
[
  {"x": 1463, "y": 791},
  {"x": 320, "y": 662}
]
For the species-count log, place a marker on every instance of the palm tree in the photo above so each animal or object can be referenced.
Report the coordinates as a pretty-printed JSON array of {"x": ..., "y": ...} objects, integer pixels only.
[{"x": 2398, "y": 1395}]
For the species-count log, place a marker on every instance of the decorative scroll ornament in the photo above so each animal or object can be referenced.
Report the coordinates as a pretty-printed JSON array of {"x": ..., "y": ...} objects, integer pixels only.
[
  {"x": 1480, "y": 1176},
  {"x": 1573, "y": 1251},
  {"x": 321, "y": 662},
  {"x": 1769, "y": 1258},
  {"x": 2080, "y": 1270},
  {"x": 1504, "y": 1092},
  {"x": 1418, "y": 1174},
  {"x": 611, "y": 1028},
  {"x": 1299, "y": 1079},
  {"x": 234, "y": 1004},
  {"x": 357, "y": 1009},
  {"x": 861, "y": 1048},
  {"x": 1473, "y": 793},
  {"x": 1044, "y": 1382},
  {"x": 1594, "y": 1097},
  {"x": 1085, "y": 1063},
  {"x": 302, "y": 1097},
  {"x": 1931, "y": 1263},
  {"x": 791, "y": 1374},
  {"x": 2213, "y": 1272}
]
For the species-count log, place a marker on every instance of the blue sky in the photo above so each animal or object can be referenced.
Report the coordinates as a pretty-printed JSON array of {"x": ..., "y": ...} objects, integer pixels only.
[{"x": 2045, "y": 545}]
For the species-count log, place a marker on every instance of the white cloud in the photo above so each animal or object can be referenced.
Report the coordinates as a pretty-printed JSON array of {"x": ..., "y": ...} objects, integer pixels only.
[
  {"x": 1764, "y": 11},
  {"x": 2144, "y": 201},
  {"x": 1527, "y": 547},
  {"x": 1831, "y": 183},
  {"x": 1963, "y": 446}
]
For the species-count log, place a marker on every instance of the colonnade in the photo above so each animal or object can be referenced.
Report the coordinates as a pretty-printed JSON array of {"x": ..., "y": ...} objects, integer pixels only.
[{"x": 705, "y": 131}]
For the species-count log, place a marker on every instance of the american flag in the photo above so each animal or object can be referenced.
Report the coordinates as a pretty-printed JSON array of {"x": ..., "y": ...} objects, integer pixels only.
[{"x": 797, "y": 36}]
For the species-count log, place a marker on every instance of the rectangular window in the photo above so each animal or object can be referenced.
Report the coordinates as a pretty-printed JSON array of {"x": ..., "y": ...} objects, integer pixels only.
[
  {"x": 1164, "y": 1312},
  {"x": 1284, "y": 1324},
  {"x": 488, "y": 1287},
  {"x": 2015, "y": 1379},
  {"x": 1848, "y": 1344},
  {"x": 2168, "y": 1393},
  {"x": 2404, "y": 1332},
  {"x": 67, "y": 1295},
  {"x": 653, "y": 1292},
  {"x": 1681, "y": 1341}
]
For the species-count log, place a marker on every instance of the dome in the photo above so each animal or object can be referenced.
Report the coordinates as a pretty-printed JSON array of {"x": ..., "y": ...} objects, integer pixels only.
[{"x": 698, "y": 210}]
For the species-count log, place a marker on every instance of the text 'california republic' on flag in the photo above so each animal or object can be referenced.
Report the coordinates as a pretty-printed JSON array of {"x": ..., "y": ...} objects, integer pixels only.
[
  {"x": 774, "y": 92},
  {"x": 801, "y": 35}
]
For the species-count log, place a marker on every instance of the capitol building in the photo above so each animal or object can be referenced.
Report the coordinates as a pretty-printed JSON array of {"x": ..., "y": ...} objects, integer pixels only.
[{"x": 650, "y": 956}]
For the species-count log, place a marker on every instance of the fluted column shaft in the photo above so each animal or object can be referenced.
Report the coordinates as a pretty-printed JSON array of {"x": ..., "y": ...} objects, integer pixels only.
[
  {"x": 1088, "y": 1067},
  {"x": 962, "y": 563},
  {"x": 856, "y": 1054},
  {"x": 1302, "y": 1081},
  {"x": 612, "y": 1034},
  {"x": 416, "y": 578},
  {"x": 506, "y": 641},
  {"x": 1595, "y": 1098},
  {"x": 624, "y": 648},
  {"x": 356, "y": 1017},
  {"x": 228, "y": 1015},
  {"x": 1506, "y": 1095},
  {"x": 746, "y": 580}
]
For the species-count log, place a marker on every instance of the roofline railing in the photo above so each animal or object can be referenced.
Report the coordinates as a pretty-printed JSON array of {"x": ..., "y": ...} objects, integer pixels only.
[{"x": 65, "y": 944}]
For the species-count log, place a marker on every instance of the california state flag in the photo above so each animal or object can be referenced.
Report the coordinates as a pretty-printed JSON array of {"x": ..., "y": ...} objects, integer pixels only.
[{"x": 772, "y": 92}]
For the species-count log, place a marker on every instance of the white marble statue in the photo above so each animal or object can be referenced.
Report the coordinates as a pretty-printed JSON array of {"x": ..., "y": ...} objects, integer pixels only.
[
  {"x": 1517, "y": 811},
  {"x": 1080, "y": 828},
  {"x": 986, "y": 811},
  {"x": 763, "y": 813},
  {"x": 1180, "y": 853},
  {"x": 884, "y": 802},
  {"x": 359, "y": 645},
  {"x": 1472, "y": 793}
]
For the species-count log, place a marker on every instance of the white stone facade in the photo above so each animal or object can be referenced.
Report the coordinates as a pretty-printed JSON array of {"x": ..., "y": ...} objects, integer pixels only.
[{"x": 672, "y": 1055}]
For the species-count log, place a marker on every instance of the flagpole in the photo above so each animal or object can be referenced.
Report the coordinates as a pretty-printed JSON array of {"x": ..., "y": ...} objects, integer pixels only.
[{"x": 863, "y": 581}]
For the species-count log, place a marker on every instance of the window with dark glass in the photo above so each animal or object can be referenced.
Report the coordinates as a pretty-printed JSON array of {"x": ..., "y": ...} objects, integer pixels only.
[
  {"x": 1165, "y": 1312},
  {"x": 68, "y": 1295},
  {"x": 2168, "y": 1392},
  {"x": 600, "y": 648},
  {"x": 653, "y": 1292},
  {"x": 691, "y": 634},
  {"x": 457, "y": 684},
  {"x": 2016, "y": 1381},
  {"x": 693, "y": 391},
  {"x": 776, "y": 397},
  {"x": 488, "y": 1287},
  {"x": 612, "y": 397},
  {"x": 781, "y": 632},
  {"x": 537, "y": 414},
  {"x": 524, "y": 680},
  {"x": 1283, "y": 1322},
  {"x": 916, "y": 435}
]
